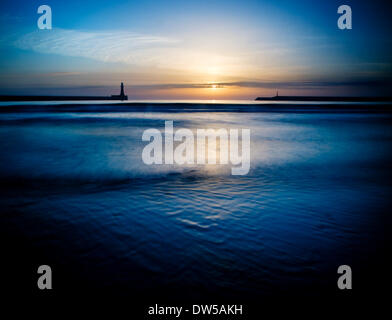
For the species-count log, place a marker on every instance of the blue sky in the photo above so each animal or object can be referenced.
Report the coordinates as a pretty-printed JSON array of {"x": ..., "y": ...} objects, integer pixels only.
[{"x": 195, "y": 49}]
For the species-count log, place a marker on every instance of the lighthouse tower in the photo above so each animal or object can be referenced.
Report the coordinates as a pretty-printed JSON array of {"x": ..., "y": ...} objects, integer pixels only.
[
  {"x": 122, "y": 90},
  {"x": 121, "y": 96}
]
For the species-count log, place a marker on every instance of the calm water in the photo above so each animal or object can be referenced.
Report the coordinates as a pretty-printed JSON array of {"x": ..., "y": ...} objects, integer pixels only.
[{"x": 76, "y": 195}]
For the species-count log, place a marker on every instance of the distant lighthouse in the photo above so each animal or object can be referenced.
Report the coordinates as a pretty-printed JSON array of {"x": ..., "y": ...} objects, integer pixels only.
[
  {"x": 122, "y": 95},
  {"x": 122, "y": 90}
]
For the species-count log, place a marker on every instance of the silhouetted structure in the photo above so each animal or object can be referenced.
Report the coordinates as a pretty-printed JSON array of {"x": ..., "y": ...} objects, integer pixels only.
[
  {"x": 122, "y": 95},
  {"x": 327, "y": 98}
]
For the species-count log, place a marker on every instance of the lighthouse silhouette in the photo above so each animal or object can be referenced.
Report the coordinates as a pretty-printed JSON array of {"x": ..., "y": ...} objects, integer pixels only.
[
  {"x": 122, "y": 95},
  {"x": 122, "y": 90}
]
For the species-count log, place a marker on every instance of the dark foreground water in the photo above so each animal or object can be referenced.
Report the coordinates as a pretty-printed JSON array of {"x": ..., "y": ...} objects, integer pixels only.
[{"x": 76, "y": 195}]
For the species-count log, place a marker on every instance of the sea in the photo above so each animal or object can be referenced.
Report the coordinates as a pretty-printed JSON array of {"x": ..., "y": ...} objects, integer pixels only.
[{"x": 77, "y": 196}]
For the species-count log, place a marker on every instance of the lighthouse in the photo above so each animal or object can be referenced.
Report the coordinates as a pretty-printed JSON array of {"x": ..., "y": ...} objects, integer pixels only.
[
  {"x": 121, "y": 96},
  {"x": 122, "y": 91}
]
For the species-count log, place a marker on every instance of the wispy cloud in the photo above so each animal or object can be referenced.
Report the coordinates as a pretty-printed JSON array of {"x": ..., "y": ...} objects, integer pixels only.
[
  {"x": 130, "y": 48},
  {"x": 107, "y": 46},
  {"x": 189, "y": 65}
]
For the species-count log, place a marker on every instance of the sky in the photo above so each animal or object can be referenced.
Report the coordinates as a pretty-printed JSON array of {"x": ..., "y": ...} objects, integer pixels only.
[{"x": 232, "y": 49}]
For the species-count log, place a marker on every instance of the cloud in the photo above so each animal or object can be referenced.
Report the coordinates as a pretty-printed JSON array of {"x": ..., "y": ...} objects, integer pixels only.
[
  {"x": 189, "y": 65},
  {"x": 273, "y": 84},
  {"x": 108, "y": 46},
  {"x": 125, "y": 47}
]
